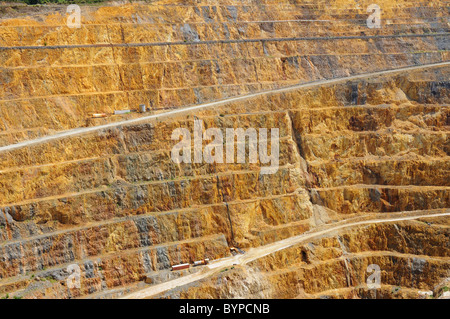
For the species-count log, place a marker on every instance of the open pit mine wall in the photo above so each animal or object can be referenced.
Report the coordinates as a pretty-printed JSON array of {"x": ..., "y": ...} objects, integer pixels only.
[
  {"x": 115, "y": 204},
  {"x": 413, "y": 257},
  {"x": 166, "y": 55}
]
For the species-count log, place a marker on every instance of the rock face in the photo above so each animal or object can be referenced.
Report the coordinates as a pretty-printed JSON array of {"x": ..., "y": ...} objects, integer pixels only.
[
  {"x": 169, "y": 56},
  {"x": 337, "y": 267},
  {"x": 115, "y": 204}
]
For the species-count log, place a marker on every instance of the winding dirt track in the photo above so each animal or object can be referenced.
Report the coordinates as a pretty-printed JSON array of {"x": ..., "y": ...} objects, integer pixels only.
[
  {"x": 81, "y": 131},
  {"x": 256, "y": 253}
]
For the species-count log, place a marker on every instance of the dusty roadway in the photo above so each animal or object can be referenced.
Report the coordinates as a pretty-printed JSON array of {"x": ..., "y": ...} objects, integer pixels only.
[
  {"x": 81, "y": 131},
  {"x": 256, "y": 253}
]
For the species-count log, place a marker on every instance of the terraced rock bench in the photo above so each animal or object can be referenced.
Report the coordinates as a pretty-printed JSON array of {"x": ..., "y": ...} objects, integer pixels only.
[
  {"x": 120, "y": 59},
  {"x": 113, "y": 202},
  {"x": 124, "y": 197},
  {"x": 335, "y": 266}
]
